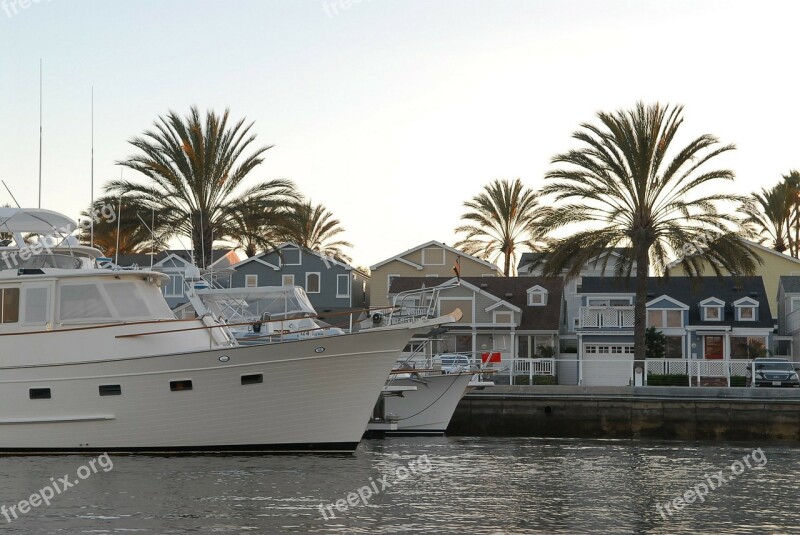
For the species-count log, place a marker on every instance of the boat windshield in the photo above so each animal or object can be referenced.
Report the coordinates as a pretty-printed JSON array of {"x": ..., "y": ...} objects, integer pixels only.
[
  {"x": 245, "y": 304},
  {"x": 44, "y": 261}
]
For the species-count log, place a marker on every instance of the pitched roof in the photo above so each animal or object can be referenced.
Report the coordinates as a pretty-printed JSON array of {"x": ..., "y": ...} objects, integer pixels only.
[
  {"x": 727, "y": 289},
  {"x": 790, "y": 283},
  {"x": 761, "y": 249},
  {"x": 532, "y": 259},
  {"x": 512, "y": 290},
  {"x": 143, "y": 260},
  {"x": 438, "y": 244},
  {"x": 260, "y": 257}
]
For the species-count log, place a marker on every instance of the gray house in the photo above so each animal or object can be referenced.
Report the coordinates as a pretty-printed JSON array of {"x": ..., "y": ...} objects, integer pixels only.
[{"x": 331, "y": 285}]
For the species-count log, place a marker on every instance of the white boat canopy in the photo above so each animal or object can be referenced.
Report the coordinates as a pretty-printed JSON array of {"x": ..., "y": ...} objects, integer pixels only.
[
  {"x": 243, "y": 304},
  {"x": 17, "y": 220}
]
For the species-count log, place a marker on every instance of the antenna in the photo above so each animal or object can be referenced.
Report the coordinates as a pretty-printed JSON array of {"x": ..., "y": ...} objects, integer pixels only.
[
  {"x": 152, "y": 235},
  {"x": 9, "y": 192},
  {"x": 40, "y": 134},
  {"x": 119, "y": 220},
  {"x": 91, "y": 236}
]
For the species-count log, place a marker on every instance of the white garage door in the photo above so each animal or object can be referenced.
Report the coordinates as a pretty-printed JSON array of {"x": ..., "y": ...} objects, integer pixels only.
[{"x": 607, "y": 364}]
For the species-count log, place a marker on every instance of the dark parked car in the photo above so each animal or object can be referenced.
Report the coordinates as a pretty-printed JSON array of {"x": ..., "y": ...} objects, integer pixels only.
[{"x": 773, "y": 372}]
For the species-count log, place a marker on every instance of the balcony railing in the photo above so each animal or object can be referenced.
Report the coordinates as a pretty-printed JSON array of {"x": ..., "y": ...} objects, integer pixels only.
[{"x": 598, "y": 317}]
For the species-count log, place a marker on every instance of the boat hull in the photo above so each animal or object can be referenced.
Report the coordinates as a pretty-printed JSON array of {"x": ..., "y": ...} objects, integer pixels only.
[
  {"x": 303, "y": 396},
  {"x": 427, "y": 410}
]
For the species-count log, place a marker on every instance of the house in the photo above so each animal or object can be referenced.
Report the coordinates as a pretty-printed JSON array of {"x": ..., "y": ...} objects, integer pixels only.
[
  {"x": 604, "y": 265},
  {"x": 708, "y": 319},
  {"x": 788, "y": 338},
  {"x": 517, "y": 317},
  {"x": 431, "y": 259},
  {"x": 774, "y": 266},
  {"x": 331, "y": 285},
  {"x": 173, "y": 262}
]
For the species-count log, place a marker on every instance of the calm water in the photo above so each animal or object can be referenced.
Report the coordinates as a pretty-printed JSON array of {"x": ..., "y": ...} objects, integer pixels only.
[{"x": 471, "y": 485}]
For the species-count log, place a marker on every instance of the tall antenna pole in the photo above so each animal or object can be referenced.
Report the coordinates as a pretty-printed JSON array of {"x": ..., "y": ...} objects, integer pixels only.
[
  {"x": 119, "y": 221},
  {"x": 91, "y": 209},
  {"x": 40, "y": 132}
]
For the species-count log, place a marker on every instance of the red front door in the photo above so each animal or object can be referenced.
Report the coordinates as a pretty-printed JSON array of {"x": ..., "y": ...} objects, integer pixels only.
[{"x": 713, "y": 347}]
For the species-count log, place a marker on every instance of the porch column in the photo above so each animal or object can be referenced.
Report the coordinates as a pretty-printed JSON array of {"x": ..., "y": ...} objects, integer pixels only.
[{"x": 580, "y": 359}]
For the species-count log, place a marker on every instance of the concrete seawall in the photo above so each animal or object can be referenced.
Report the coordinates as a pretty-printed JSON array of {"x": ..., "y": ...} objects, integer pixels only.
[{"x": 630, "y": 412}]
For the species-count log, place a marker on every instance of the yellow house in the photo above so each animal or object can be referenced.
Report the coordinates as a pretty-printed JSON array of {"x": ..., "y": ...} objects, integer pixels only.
[
  {"x": 774, "y": 265},
  {"x": 431, "y": 259}
]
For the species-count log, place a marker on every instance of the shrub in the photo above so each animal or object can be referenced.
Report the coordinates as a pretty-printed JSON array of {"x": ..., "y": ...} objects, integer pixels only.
[{"x": 667, "y": 379}]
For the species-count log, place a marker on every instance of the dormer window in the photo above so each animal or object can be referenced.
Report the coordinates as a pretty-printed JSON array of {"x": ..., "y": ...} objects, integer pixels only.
[
  {"x": 746, "y": 309},
  {"x": 537, "y": 296},
  {"x": 713, "y": 309}
]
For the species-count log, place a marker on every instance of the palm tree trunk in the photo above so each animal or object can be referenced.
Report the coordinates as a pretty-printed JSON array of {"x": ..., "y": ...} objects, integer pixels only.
[
  {"x": 507, "y": 264},
  {"x": 640, "y": 307}
]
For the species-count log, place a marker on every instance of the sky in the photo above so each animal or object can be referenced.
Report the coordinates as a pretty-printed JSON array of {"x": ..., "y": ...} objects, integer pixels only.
[{"x": 391, "y": 113}]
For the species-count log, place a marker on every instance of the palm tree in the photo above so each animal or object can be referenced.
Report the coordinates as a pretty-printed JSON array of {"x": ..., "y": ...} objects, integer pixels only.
[
  {"x": 253, "y": 226},
  {"x": 770, "y": 214},
  {"x": 792, "y": 180},
  {"x": 502, "y": 218},
  {"x": 134, "y": 236},
  {"x": 196, "y": 167},
  {"x": 313, "y": 227},
  {"x": 638, "y": 190}
]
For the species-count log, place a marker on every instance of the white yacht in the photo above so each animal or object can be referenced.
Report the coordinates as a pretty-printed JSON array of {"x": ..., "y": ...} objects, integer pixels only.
[
  {"x": 419, "y": 401},
  {"x": 94, "y": 360}
]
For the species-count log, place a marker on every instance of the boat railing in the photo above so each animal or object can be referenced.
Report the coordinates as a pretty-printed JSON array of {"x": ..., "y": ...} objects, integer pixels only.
[{"x": 420, "y": 303}]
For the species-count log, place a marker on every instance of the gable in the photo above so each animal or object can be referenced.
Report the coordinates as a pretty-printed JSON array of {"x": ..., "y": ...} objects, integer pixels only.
[{"x": 667, "y": 303}]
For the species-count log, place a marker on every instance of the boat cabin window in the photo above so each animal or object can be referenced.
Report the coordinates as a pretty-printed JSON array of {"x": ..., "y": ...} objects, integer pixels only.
[
  {"x": 110, "y": 390},
  {"x": 9, "y": 305},
  {"x": 107, "y": 301},
  {"x": 37, "y": 302},
  {"x": 179, "y": 386},
  {"x": 82, "y": 301},
  {"x": 39, "y": 393},
  {"x": 126, "y": 300}
]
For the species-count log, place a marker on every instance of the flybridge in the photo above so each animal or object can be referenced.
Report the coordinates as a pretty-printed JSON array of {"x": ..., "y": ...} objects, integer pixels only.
[{"x": 54, "y": 247}]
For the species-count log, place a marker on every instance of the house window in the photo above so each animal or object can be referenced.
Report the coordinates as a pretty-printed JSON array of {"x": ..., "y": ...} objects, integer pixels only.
[
  {"x": 250, "y": 281},
  {"x": 342, "y": 285},
  {"x": 665, "y": 318},
  {"x": 290, "y": 256},
  {"x": 433, "y": 256},
  {"x": 504, "y": 317},
  {"x": 287, "y": 280},
  {"x": 674, "y": 347},
  {"x": 711, "y": 313},
  {"x": 748, "y": 347},
  {"x": 747, "y": 313},
  {"x": 312, "y": 283},
  {"x": 174, "y": 288},
  {"x": 795, "y": 303},
  {"x": 9, "y": 311}
]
